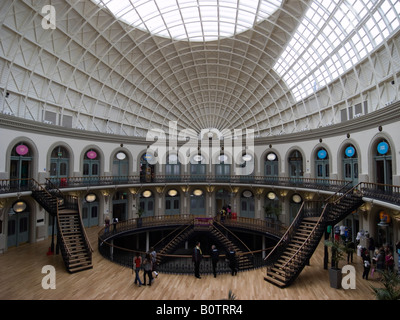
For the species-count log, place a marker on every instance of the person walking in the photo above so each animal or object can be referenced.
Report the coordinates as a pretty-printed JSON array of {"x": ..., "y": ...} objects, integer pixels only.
[
  {"x": 197, "y": 256},
  {"x": 214, "y": 259},
  {"x": 147, "y": 266},
  {"x": 137, "y": 264}
]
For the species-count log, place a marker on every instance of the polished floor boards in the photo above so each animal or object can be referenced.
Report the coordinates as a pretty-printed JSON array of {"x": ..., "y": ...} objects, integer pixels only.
[{"x": 21, "y": 278}]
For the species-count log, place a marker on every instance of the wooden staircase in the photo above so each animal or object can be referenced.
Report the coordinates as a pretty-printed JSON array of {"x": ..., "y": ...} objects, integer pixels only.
[
  {"x": 244, "y": 261},
  {"x": 293, "y": 252},
  {"x": 78, "y": 255},
  {"x": 173, "y": 244},
  {"x": 71, "y": 235}
]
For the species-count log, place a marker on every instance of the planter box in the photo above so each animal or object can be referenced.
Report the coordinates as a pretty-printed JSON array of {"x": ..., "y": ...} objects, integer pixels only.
[{"x": 335, "y": 278}]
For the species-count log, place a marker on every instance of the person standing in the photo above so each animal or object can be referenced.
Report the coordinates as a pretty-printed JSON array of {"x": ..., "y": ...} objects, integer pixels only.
[
  {"x": 107, "y": 224},
  {"x": 137, "y": 264},
  {"x": 232, "y": 261},
  {"x": 367, "y": 264},
  {"x": 214, "y": 259},
  {"x": 153, "y": 254},
  {"x": 147, "y": 266},
  {"x": 196, "y": 258}
]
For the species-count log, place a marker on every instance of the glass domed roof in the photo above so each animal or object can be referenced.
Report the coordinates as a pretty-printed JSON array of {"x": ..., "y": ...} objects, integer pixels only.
[{"x": 202, "y": 20}]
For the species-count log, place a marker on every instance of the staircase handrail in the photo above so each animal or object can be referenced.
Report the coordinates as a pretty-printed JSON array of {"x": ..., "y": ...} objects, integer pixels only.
[
  {"x": 225, "y": 228},
  {"x": 60, "y": 232},
  {"x": 318, "y": 224},
  {"x": 182, "y": 231},
  {"x": 83, "y": 231},
  {"x": 285, "y": 237}
]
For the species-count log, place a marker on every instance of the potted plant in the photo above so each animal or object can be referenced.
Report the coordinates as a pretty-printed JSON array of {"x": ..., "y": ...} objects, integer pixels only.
[
  {"x": 139, "y": 220},
  {"x": 271, "y": 210},
  {"x": 338, "y": 254},
  {"x": 391, "y": 286}
]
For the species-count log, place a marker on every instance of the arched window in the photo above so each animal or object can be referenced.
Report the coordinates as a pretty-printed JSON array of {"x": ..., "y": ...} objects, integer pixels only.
[
  {"x": 197, "y": 168},
  {"x": 172, "y": 167},
  {"x": 90, "y": 210},
  {"x": 271, "y": 165},
  {"x": 350, "y": 164},
  {"x": 222, "y": 168},
  {"x": 59, "y": 163},
  {"x": 146, "y": 203},
  {"x": 20, "y": 165},
  {"x": 247, "y": 204},
  {"x": 322, "y": 164},
  {"x": 294, "y": 205},
  {"x": 295, "y": 165},
  {"x": 147, "y": 170},
  {"x": 18, "y": 224},
  {"x": 172, "y": 202},
  {"x": 383, "y": 162},
  {"x": 91, "y": 163},
  {"x": 197, "y": 202},
  {"x": 120, "y": 169}
]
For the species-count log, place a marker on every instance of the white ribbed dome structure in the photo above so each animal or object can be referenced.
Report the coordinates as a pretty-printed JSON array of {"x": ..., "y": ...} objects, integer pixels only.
[{"x": 125, "y": 67}]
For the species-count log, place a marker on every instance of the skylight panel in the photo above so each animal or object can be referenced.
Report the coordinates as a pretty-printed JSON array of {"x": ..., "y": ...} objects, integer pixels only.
[
  {"x": 160, "y": 17},
  {"x": 345, "y": 37}
]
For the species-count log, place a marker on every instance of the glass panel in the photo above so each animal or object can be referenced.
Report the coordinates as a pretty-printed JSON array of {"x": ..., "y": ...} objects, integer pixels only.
[
  {"x": 23, "y": 224},
  {"x": 84, "y": 212},
  {"x": 94, "y": 211},
  {"x": 53, "y": 169},
  {"x": 86, "y": 169},
  {"x": 95, "y": 169},
  {"x": 176, "y": 204},
  {"x": 11, "y": 227},
  {"x": 150, "y": 205},
  {"x": 63, "y": 169}
]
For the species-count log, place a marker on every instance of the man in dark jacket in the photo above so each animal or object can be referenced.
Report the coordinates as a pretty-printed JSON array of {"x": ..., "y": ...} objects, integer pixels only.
[
  {"x": 214, "y": 259},
  {"x": 232, "y": 261},
  {"x": 196, "y": 258}
]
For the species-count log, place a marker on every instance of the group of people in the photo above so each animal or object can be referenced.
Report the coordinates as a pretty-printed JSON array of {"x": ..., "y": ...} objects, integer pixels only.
[
  {"x": 197, "y": 257},
  {"x": 148, "y": 265},
  {"x": 225, "y": 213},
  {"x": 382, "y": 259}
]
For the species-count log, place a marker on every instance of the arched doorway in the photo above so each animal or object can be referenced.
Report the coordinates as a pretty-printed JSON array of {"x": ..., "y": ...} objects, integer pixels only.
[
  {"x": 350, "y": 164},
  {"x": 147, "y": 170},
  {"x": 18, "y": 224},
  {"x": 20, "y": 165},
  {"x": 247, "y": 203},
  {"x": 59, "y": 163},
  {"x": 91, "y": 165},
  {"x": 120, "y": 168},
  {"x": 271, "y": 165},
  {"x": 383, "y": 162},
  {"x": 90, "y": 210},
  {"x": 120, "y": 206},
  {"x": 146, "y": 203},
  {"x": 295, "y": 166},
  {"x": 222, "y": 168},
  {"x": 222, "y": 199},
  {"x": 172, "y": 168},
  {"x": 197, "y": 168},
  {"x": 197, "y": 202},
  {"x": 172, "y": 202},
  {"x": 322, "y": 164}
]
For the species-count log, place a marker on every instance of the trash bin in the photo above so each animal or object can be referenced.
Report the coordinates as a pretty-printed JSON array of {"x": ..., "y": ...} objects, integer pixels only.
[{"x": 234, "y": 216}]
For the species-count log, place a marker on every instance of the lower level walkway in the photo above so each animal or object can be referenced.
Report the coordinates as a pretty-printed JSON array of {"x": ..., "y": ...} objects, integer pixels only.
[{"x": 21, "y": 278}]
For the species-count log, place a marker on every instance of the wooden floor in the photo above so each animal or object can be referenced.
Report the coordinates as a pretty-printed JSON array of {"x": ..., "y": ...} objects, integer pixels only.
[{"x": 21, "y": 278}]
